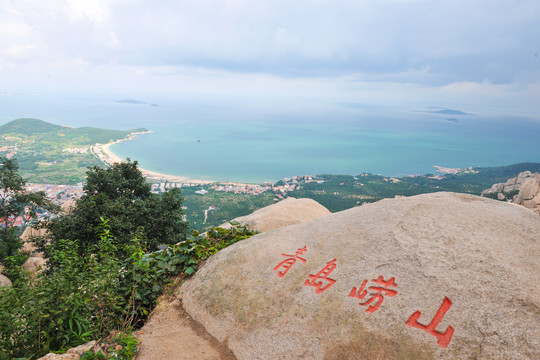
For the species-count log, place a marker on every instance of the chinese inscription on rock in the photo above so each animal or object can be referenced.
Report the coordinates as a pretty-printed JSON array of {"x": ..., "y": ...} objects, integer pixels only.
[{"x": 372, "y": 297}]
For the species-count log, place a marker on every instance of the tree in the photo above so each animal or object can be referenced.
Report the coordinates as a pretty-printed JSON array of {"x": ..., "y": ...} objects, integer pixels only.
[
  {"x": 122, "y": 195},
  {"x": 17, "y": 207}
]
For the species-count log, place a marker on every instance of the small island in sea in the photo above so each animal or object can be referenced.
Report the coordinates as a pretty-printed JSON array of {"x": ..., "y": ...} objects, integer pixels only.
[
  {"x": 131, "y": 101},
  {"x": 134, "y": 102}
]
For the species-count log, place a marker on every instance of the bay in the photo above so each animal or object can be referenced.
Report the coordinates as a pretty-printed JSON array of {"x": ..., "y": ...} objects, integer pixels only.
[{"x": 267, "y": 141}]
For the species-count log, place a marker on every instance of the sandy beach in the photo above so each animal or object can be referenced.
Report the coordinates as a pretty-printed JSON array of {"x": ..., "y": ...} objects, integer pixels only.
[{"x": 111, "y": 158}]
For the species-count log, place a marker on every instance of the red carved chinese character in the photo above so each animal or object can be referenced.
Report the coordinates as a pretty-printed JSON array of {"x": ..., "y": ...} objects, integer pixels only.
[
  {"x": 288, "y": 263},
  {"x": 379, "y": 290},
  {"x": 323, "y": 274},
  {"x": 443, "y": 339}
]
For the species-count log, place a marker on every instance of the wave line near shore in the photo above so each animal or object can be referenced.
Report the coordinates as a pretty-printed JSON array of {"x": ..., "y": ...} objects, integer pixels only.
[{"x": 110, "y": 158}]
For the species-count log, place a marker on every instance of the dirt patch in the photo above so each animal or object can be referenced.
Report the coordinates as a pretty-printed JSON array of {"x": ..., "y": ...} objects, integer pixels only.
[
  {"x": 378, "y": 347},
  {"x": 171, "y": 334}
]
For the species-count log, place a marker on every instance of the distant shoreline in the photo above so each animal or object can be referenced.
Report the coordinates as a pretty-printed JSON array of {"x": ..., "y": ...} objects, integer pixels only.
[{"x": 111, "y": 158}]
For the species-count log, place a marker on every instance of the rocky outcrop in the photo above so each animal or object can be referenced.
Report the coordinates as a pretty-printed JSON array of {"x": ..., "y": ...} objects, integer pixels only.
[
  {"x": 286, "y": 212},
  {"x": 434, "y": 276},
  {"x": 72, "y": 354},
  {"x": 527, "y": 186},
  {"x": 27, "y": 236},
  {"x": 170, "y": 332},
  {"x": 529, "y": 195},
  {"x": 68, "y": 206},
  {"x": 4, "y": 281},
  {"x": 35, "y": 265},
  {"x": 512, "y": 184}
]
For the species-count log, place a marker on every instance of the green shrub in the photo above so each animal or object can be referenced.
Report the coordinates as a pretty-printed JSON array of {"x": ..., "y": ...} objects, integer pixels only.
[
  {"x": 85, "y": 295},
  {"x": 122, "y": 347}
]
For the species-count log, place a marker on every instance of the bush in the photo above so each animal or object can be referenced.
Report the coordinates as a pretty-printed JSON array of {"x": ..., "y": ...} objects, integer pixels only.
[
  {"x": 122, "y": 195},
  {"x": 86, "y": 295}
]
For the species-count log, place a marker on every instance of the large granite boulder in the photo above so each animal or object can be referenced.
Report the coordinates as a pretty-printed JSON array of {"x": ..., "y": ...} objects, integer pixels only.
[
  {"x": 286, "y": 212},
  {"x": 529, "y": 195},
  {"x": 434, "y": 276}
]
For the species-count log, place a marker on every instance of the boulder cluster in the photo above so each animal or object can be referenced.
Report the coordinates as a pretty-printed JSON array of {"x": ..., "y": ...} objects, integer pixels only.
[
  {"x": 35, "y": 263},
  {"x": 527, "y": 185}
]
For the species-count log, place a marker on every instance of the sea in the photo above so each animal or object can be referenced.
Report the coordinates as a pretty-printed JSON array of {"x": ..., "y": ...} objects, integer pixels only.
[{"x": 258, "y": 141}]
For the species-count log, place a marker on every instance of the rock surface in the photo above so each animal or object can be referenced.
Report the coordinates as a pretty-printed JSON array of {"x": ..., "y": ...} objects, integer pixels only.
[
  {"x": 4, "y": 281},
  {"x": 35, "y": 265},
  {"x": 26, "y": 237},
  {"x": 72, "y": 354},
  {"x": 170, "y": 334},
  {"x": 68, "y": 206},
  {"x": 286, "y": 212},
  {"x": 417, "y": 268},
  {"x": 529, "y": 195},
  {"x": 528, "y": 186}
]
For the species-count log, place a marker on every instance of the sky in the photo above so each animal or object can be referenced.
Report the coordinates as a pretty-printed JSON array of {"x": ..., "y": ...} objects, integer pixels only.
[{"x": 453, "y": 53}]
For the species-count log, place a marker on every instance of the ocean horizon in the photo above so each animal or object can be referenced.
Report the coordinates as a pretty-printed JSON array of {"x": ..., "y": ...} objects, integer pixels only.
[{"x": 254, "y": 143}]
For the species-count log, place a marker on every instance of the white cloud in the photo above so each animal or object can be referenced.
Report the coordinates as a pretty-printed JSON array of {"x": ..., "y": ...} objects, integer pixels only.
[
  {"x": 430, "y": 47},
  {"x": 19, "y": 52},
  {"x": 283, "y": 38},
  {"x": 93, "y": 10}
]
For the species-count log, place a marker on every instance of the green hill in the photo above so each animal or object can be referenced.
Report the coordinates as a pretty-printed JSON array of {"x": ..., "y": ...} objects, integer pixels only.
[
  {"x": 45, "y": 131},
  {"x": 28, "y": 127},
  {"x": 49, "y": 153}
]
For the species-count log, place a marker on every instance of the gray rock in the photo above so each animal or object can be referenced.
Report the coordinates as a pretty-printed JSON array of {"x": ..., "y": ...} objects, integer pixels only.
[
  {"x": 4, "y": 281},
  {"x": 529, "y": 189},
  {"x": 434, "y": 276},
  {"x": 500, "y": 196}
]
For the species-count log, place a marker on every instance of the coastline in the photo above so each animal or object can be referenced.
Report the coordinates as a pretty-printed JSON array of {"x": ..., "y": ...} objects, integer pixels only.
[
  {"x": 110, "y": 158},
  {"x": 104, "y": 154}
]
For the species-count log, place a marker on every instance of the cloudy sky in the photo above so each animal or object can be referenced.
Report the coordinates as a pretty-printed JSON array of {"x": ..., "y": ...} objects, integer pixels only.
[{"x": 447, "y": 52}]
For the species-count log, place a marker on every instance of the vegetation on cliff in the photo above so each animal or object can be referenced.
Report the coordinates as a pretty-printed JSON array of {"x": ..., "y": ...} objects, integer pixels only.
[
  {"x": 18, "y": 208},
  {"x": 106, "y": 277},
  {"x": 121, "y": 195}
]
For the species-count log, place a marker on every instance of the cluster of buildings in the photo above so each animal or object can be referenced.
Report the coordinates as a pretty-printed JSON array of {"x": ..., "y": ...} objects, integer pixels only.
[
  {"x": 281, "y": 188},
  {"x": 455, "y": 171},
  {"x": 160, "y": 187},
  {"x": 243, "y": 188},
  {"x": 76, "y": 150},
  {"x": 59, "y": 194},
  {"x": 11, "y": 150}
]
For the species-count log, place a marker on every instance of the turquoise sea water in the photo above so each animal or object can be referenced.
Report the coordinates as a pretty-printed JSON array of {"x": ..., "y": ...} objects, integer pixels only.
[{"x": 255, "y": 143}]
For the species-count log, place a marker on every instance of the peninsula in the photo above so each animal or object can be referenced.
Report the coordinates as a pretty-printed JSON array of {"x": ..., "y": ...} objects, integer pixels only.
[{"x": 55, "y": 154}]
